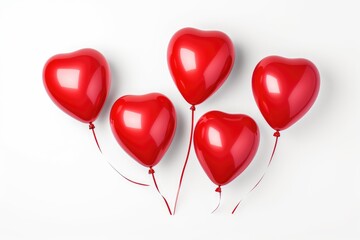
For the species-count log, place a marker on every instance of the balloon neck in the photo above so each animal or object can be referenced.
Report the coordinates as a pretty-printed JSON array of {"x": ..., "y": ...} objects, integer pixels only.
[
  {"x": 277, "y": 134},
  {"x": 218, "y": 189},
  {"x": 151, "y": 170},
  {"x": 91, "y": 126},
  {"x": 193, "y": 108}
]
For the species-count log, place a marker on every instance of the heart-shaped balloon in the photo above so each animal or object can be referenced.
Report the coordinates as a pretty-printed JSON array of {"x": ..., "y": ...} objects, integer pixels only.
[
  {"x": 199, "y": 62},
  {"x": 144, "y": 126},
  {"x": 78, "y": 83},
  {"x": 225, "y": 144},
  {"x": 285, "y": 89}
]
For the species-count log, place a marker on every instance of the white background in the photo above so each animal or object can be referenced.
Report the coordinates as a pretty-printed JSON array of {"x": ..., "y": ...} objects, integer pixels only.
[{"x": 55, "y": 185}]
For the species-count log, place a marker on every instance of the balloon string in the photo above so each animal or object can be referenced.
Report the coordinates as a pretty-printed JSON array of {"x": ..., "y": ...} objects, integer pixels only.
[
  {"x": 218, "y": 189},
  {"x": 92, "y": 127},
  {"x": 192, "y": 108},
  {"x": 137, "y": 183},
  {"x": 151, "y": 171},
  {"x": 276, "y": 135}
]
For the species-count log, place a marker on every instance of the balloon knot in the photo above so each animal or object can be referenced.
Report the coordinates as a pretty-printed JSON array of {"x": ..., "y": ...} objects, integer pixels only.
[
  {"x": 218, "y": 189},
  {"x": 151, "y": 170},
  {"x": 277, "y": 134},
  {"x": 193, "y": 108},
  {"x": 91, "y": 126}
]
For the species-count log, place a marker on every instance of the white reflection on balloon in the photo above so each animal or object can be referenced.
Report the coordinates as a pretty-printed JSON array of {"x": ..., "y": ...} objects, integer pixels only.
[
  {"x": 68, "y": 78},
  {"x": 132, "y": 119},
  {"x": 272, "y": 84},
  {"x": 214, "y": 137},
  {"x": 188, "y": 59}
]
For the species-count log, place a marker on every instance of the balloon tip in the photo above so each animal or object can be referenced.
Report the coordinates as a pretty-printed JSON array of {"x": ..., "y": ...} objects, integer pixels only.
[
  {"x": 151, "y": 170},
  {"x": 277, "y": 134}
]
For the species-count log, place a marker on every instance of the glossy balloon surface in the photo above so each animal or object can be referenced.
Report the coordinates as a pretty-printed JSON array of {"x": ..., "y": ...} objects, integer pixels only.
[
  {"x": 144, "y": 126},
  {"x": 78, "y": 83},
  {"x": 284, "y": 89},
  {"x": 225, "y": 144},
  {"x": 199, "y": 62}
]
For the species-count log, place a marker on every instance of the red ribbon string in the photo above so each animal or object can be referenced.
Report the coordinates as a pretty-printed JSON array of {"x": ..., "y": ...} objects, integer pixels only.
[
  {"x": 276, "y": 135},
  {"x": 92, "y": 127},
  {"x": 192, "y": 108},
  {"x": 151, "y": 171},
  {"x": 137, "y": 183},
  {"x": 218, "y": 189}
]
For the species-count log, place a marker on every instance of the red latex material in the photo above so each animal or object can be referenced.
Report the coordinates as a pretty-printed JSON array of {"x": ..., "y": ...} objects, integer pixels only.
[
  {"x": 78, "y": 83},
  {"x": 199, "y": 62},
  {"x": 284, "y": 89},
  {"x": 144, "y": 126},
  {"x": 225, "y": 144}
]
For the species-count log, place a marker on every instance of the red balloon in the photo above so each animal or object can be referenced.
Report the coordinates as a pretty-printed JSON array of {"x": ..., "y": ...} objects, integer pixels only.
[
  {"x": 225, "y": 144},
  {"x": 144, "y": 126},
  {"x": 199, "y": 62},
  {"x": 78, "y": 83},
  {"x": 285, "y": 89}
]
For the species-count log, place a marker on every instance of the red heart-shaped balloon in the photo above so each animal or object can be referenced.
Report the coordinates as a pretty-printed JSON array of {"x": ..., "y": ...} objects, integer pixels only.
[
  {"x": 199, "y": 62},
  {"x": 78, "y": 83},
  {"x": 144, "y": 126},
  {"x": 284, "y": 89},
  {"x": 225, "y": 144}
]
